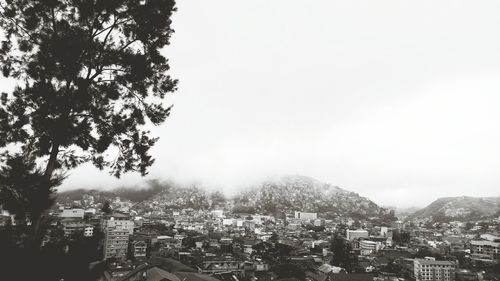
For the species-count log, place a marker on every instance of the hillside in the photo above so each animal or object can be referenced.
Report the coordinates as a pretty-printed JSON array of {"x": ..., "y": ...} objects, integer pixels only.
[
  {"x": 459, "y": 208},
  {"x": 192, "y": 196},
  {"x": 287, "y": 194},
  {"x": 132, "y": 193},
  {"x": 299, "y": 193}
]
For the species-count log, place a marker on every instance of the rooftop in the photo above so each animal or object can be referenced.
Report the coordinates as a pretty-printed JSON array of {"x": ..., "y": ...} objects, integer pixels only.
[{"x": 434, "y": 262}]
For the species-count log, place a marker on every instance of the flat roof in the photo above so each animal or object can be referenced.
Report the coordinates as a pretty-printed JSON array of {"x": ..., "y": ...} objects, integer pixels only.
[
  {"x": 484, "y": 243},
  {"x": 434, "y": 262}
]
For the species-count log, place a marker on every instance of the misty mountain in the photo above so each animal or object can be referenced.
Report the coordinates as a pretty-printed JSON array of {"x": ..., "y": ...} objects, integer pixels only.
[
  {"x": 459, "y": 208},
  {"x": 300, "y": 193},
  {"x": 186, "y": 196},
  {"x": 132, "y": 193},
  {"x": 286, "y": 194},
  {"x": 403, "y": 212}
]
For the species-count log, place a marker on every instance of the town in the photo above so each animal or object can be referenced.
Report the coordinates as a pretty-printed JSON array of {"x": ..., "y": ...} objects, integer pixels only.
[{"x": 153, "y": 240}]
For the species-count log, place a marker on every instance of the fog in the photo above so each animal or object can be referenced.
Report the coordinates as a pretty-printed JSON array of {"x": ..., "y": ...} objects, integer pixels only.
[{"x": 395, "y": 100}]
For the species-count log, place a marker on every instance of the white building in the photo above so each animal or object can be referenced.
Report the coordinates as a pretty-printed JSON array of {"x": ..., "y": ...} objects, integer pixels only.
[
  {"x": 218, "y": 213},
  {"x": 72, "y": 213},
  {"x": 490, "y": 237},
  {"x": 119, "y": 221},
  {"x": 368, "y": 247},
  {"x": 384, "y": 231},
  {"x": 355, "y": 234},
  {"x": 88, "y": 231},
  {"x": 305, "y": 216},
  {"x": 429, "y": 269}
]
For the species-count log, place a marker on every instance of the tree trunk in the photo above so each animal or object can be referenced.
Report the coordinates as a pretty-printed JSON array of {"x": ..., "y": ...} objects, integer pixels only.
[{"x": 37, "y": 218}]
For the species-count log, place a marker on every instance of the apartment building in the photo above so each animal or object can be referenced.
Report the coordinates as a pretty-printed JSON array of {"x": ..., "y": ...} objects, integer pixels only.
[
  {"x": 356, "y": 234},
  {"x": 117, "y": 229},
  {"x": 484, "y": 249},
  {"x": 429, "y": 269},
  {"x": 305, "y": 216}
]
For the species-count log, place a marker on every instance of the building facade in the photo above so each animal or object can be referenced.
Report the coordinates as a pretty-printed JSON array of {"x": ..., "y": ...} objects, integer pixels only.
[
  {"x": 140, "y": 248},
  {"x": 368, "y": 247},
  {"x": 72, "y": 213},
  {"x": 429, "y": 269},
  {"x": 356, "y": 234},
  {"x": 117, "y": 229},
  {"x": 305, "y": 216},
  {"x": 484, "y": 249}
]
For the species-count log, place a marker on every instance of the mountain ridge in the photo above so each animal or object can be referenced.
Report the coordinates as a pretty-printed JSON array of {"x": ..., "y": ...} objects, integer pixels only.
[
  {"x": 284, "y": 194},
  {"x": 459, "y": 207},
  {"x": 301, "y": 193}
]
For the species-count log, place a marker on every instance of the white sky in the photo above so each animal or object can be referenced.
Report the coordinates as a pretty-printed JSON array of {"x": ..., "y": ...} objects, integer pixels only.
[{"x": 396, "y": 100}]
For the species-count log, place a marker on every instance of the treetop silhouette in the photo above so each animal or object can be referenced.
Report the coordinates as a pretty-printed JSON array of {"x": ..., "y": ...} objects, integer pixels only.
[{"x": 90, "y": 76}]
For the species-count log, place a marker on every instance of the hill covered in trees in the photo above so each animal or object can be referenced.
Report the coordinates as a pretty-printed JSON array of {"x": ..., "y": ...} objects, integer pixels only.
[
  {"x": 300, "y": 193},
  {"x": 462, "y": 207},
  {"x": 286, "y": 194}
]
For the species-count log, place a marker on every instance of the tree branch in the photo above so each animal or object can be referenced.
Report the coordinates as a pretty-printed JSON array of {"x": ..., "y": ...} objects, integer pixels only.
[{"x": 115, "y": 23}]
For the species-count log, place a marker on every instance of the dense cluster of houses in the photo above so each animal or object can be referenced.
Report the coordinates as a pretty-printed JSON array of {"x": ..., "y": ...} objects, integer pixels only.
[{"x": 222, "y": 245}]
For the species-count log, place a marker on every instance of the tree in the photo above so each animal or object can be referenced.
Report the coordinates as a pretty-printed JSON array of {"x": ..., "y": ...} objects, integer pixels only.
[
  {"x": 469, "y": 225},
  {"x": 22, "y": 192},
  {"x": 106, "y": 208},
  {"x": 217, "y": 198},
  {"x": 288, "y": 270},
  {"x": 401, "y": 237},
  {"x": 342, "y": 255},
  {"x": 90, "y": 78}
]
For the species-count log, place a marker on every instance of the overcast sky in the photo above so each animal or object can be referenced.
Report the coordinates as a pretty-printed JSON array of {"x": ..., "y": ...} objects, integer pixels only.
[{"x": 396, "y": 100}]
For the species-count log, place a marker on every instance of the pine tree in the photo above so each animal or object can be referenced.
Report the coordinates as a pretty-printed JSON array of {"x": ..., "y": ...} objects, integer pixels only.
[{"x": 90, "y": 76}]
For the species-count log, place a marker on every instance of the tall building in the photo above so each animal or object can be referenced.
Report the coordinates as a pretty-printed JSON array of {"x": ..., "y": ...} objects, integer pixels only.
[
  {"x": 117, "y": 229},
  {"x": 429, "y": 269}
]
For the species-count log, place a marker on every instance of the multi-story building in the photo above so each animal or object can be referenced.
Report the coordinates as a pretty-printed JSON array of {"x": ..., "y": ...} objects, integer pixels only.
[
  {"x": 117, "y": 229},
  {"x": 484, "y": 249},
  {"x": 119, "y": 221},
  {"x": 355, "y": 234},
  {"x": 139, "y": 248},
  {"x": 116, "y": 243},
  {"x": 72, "y": 225},
  {"x": 306, "y": 216},
  {"x": 429, "y": 269},
  {"x": 368, "y": 247},
  {"x": 72, "y": 213},
  {"x": 88, "y": 231}
]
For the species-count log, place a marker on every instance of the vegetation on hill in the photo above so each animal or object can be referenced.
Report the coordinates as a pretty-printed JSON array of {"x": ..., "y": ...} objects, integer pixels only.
[
  {"x": 288, "y": 194},
  {"x": 466, "y": 208},
  {"x": 299, "y": 193}
]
